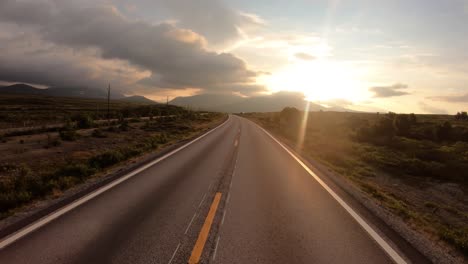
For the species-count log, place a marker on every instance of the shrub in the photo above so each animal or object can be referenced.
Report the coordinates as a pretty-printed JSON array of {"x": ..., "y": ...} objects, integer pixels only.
[
  {"x": 112, "y": 129},
  {"x": 457, "y": 237},
  {"x": 83, "y": 121},
  {"x": 162, "y": 138},
  {"x": 79, "y": 170},
  {"x": 68, "y": 135},
  {"x": 443, "y": 132},
  {"x": 106, "y": 159},
  {"x": 461, "y": 116},
  {"x": 124, "y": 125},
  {"x": 52, "y": 142},
  {"x": 402, "y": 124},
  {"x": 98, "y": 133}
]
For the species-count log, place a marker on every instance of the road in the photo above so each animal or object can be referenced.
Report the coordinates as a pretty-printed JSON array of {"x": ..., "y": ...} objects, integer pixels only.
[{"x": 233, "y": 196}]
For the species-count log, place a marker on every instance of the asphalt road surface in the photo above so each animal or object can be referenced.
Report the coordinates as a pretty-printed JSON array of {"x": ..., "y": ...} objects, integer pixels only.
[{"x": 233, "y": 196}]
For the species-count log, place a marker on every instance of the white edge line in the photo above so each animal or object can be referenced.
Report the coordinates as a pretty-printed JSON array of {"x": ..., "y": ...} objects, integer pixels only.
[
  {"x": 174, "y": 254},
  {"x": 382, "y": 243},
  {"x": 224, "y": 215},
  {"x": 202, "y": 200},
  {"x": 50, "y": 217},
  {"x": 216, "y": 248},
  {"x": 190, "y": 224}
]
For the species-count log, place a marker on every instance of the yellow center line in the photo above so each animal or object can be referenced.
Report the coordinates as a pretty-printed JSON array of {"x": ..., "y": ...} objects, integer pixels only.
[{"x": 203, "y": 236}]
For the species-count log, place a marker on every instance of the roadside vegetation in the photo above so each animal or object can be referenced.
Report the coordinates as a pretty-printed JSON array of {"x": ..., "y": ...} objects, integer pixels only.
[
  {"x": 416, "y": 166},
  {"x": 41, "y": 162}
]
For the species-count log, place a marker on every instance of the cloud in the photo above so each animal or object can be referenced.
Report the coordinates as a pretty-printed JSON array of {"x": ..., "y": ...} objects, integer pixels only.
[
  {"x": 462, "y": 98},
  {"x": 214, "y": 19},
  {"x": 389, "y": 91},
  {"x": 338, "y": 102},
  {"x": 172, "y": 57},
  {"x": 431, "y": 109},
  {"x": 304, "y": 56}
]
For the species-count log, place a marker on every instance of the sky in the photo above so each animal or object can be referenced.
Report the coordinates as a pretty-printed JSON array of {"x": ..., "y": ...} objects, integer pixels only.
[{"x": 396, "y": 55}]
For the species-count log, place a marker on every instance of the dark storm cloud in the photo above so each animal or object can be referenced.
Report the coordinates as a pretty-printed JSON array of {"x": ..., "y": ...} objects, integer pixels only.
[
  {"x": 389, "y": 91},
  {"x": 177, "y": 58},
  {"x": 304, "y": 56}
]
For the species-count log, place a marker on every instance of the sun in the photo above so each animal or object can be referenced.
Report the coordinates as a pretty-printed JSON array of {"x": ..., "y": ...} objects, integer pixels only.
[{"x": 319, "y": 80}]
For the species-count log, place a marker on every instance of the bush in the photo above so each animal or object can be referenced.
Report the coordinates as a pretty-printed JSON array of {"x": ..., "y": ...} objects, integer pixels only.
[
  {"x": 97, "y": 133},
  {"x": 402, "y": 124},
  {"x": 106, "y": 159},
  {"x": 75, "y": 170},
  {"x": 162, "y": 138},
  {"x": 52, "y": 142},
  {"x": 461, "y": 116},
  {"x": 83, "y": 121},
  {"x": 68, "y": 135},
  {"x": 457, "y": 237},
  {"x": 443, "y": 132},
  {"x": 124, "y": 125}
]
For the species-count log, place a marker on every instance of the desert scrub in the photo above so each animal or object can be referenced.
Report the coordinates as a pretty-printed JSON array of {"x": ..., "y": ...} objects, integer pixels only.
[
  {"x": 106, "y": 159},
  {"x": 98, "y": 133},
  {"x": 52, "y": 141},
  {"x": 456, "y": 236}
]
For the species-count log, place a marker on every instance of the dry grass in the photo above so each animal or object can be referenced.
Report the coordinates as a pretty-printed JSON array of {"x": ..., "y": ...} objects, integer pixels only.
[{"x": 424, "y": 181}]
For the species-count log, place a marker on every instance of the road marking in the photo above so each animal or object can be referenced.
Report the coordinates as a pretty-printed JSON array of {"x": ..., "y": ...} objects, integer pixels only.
[
  {"x": 216, "y": 248},
  {"x": 174, "y": 254},
  {"x": 382, "y": 243},
  {"x": 236, "y": 142},
  {"x": 224, "y": 215},
  {"x": 191, "y": 221},
  {"x": 48, "y": 218},
  {"x": 203, "y": 236},
  {"x": 202, "y": 200}
]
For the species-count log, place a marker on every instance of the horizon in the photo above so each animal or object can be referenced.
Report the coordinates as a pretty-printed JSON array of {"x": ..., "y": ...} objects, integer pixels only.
[{"x": 365, "y": 56}]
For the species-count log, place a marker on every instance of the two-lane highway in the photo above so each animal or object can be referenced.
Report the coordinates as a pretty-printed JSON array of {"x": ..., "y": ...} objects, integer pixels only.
[{"x": 233, "y": 196}]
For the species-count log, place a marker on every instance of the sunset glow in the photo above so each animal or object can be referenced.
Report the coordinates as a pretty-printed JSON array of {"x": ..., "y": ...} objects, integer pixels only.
[{"x": 319, "y": 80}]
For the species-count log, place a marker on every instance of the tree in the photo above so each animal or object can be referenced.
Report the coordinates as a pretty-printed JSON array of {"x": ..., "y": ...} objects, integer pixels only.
[
  {"x": 461, "y": 116},
  {"x": 290, "y": 120},
  {"x": 402, "y": 124},
  {"x": 444, "y": 131},
  {"x": 412, "y": 118}
]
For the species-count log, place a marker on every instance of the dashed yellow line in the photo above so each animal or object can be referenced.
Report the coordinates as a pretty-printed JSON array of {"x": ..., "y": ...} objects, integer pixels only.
[{"x": 203, "y": 236}]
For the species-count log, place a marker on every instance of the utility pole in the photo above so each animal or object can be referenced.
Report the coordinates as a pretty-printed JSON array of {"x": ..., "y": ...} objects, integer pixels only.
[{"x": 108, "y": 104}]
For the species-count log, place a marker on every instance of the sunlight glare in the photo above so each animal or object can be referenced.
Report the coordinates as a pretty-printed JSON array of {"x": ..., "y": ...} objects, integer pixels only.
[{"x": 319, "y": 80}]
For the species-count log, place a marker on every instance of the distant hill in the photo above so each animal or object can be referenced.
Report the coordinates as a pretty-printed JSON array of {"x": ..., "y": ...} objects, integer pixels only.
[
  {"x": 81, "y": 92},
  {"x": 207, "y": 101},
  {"x": 235, "y": 103},
  {"x": 138, "y": 99},
  {"x": 20, "y": 88}
]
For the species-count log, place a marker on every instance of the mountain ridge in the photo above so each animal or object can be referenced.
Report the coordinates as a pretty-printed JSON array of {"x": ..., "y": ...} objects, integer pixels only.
[
  {"x": 80, "y": 92},
  {"x": 262, "y": 103}
]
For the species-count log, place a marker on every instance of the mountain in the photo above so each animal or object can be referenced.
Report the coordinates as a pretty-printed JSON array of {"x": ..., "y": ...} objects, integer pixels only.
[
  {"x": 138, "y": 99},
  {"x": 65, "y": 91},
  {"x": 206, "y": 101},
  {"x": 21, "y": 88},
  {"x": 234, "y": 103},
  {"x": 84, "y": 92}
]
